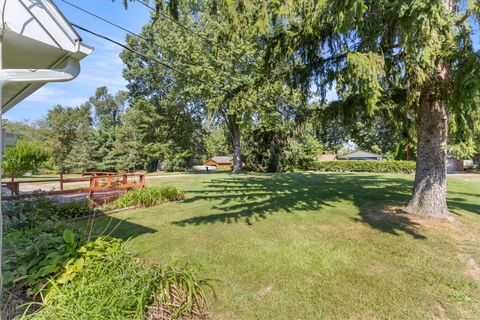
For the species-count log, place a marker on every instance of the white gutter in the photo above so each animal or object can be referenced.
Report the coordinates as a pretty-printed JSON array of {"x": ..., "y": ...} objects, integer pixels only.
[
  {"x": 67, "y": 73},
  {"x": 38, "y": 76}
]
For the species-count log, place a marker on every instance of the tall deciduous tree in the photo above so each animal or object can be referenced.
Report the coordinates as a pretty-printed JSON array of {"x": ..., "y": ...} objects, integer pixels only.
[
  {"x": 224, "y": 76},
  {"x": 60, "y": 127},
  {"x": 165, "y": 118}
]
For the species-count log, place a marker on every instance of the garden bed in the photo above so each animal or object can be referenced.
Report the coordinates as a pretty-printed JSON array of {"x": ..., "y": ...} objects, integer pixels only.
[{"x": 52, "y": 265}]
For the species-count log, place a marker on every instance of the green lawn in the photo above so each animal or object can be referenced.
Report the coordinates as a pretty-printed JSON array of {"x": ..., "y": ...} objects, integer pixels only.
[{"x": 316, "y": 246}]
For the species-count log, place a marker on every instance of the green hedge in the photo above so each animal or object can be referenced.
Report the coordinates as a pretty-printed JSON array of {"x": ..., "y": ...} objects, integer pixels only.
[
  {"x": 364, "y": 166},
  {"x": 147, "y": 197}
]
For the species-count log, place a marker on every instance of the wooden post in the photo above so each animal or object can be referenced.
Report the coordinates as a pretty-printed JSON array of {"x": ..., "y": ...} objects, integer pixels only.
[
  {"x": 91, "y": 196},
  {"x": 125, "y": 179},
  {"x": 61, "y": 180}
]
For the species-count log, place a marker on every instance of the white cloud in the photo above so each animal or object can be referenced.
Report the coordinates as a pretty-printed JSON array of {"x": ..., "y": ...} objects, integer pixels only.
[
  {"x": 103, "y": 68},
  {"x": 99, "y": 79}
]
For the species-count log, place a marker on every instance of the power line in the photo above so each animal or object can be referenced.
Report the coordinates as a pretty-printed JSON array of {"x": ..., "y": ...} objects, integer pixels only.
[
  {"x": 143, "y": 38},
  {"x": 206, "y": 39},
  {"x": 127, "y": 48},
  {"x": 101, "y": 18},
  {"x": 149, "y": 42},
  {"x": 164, "y": 64},
  {"x": 127, "y": 30}
]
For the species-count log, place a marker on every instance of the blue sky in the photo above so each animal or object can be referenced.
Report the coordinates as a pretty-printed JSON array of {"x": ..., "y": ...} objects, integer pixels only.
[{"x": 102, "y": 68}]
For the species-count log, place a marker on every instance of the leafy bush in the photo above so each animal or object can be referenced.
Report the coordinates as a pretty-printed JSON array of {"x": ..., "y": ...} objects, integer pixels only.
[
  {"x": 21, "y": 214},
  {"x": 148, "y": 197},
  {"x": 24, "y": 157},
  {"x": 176, "y": 164},
  {"x": 41, "y": 257},
  {"x": 117, "y": 286},
  {"x": 102, "y": 247},
  {"x": 36, "y": 243},
  {"x": 364, "y": 166},
  {"x": 34, "y": 255}
]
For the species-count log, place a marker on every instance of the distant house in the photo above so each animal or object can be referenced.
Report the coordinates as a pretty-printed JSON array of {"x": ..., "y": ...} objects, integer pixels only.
[
  {"x": 326, "y": 157},
  {"x": 458, "y": 165},
  {"x": 220, "y": 162},
  {"x": 361, "y": 155}
]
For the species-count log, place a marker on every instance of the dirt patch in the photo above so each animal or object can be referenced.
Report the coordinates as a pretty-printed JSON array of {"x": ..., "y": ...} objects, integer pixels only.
[
  {"x": 392, "y": 220},
  {"x": 418, "y": 223},
  {"x": 460, "y": 232},
  {"x": 179, "y": 306},
  {"x": 15, "y": 303}
]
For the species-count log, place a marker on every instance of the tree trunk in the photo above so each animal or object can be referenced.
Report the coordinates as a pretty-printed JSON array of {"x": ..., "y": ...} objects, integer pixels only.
[
  {"x": 430, "y": 186},
  {"x": 237, "y": 150},
  {"x": 160, "y": 163}
]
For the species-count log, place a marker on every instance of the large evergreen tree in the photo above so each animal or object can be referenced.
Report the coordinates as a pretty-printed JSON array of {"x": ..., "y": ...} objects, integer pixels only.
[
  {"x": 82, "y": 155},
  {"x": 108, "y": 110},
  {"x": 165, "y": 120}
]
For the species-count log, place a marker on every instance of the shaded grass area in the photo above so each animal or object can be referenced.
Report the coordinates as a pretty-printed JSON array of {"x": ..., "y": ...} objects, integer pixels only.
[{"x": 313, "y": 246}]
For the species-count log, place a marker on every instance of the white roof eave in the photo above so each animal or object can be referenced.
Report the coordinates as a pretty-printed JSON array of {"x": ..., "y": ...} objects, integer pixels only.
[{"x": 36, "y": 37}]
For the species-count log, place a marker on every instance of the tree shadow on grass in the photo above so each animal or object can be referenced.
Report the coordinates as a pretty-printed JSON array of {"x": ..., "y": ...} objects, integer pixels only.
[
  {"x": 109, "y": 225},
  {"x": 391, "y": 220},
  {"x": 247, "y": 199},
  {"x": 463, "y": 201}
]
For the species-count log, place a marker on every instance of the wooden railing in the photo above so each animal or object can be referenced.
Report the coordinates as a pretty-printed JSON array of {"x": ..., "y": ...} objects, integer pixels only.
[{"x": 97, "y": 182}]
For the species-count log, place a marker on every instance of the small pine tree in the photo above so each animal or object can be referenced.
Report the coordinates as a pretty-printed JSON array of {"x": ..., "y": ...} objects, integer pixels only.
[{"x": 81, "y": 157}]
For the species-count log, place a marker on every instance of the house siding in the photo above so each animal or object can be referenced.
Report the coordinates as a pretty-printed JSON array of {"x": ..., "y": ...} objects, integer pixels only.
[{"x": 218, "y": 165}]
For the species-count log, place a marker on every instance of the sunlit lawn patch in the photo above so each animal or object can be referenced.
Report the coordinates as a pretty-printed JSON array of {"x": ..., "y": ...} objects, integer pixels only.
[{"x": 315, "y": 246}]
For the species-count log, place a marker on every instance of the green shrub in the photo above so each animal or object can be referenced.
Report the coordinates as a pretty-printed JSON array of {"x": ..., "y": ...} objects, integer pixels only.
[
  {"x": 102, "y": 247},
  {"x": 34, "y": 255},
  {"x": 44, "y": 256},
  {"x": 363, "y": 166},
  {"x": 148, "y": 197},
  {"x": 21, "y": 214},
  {"x": 24, "y": 157},
  {"x": 36, "y": 243},
  {"x": 36, "y": 246},
  {"x": 175, "y": 165},
  {"x": 117, "y": 286}
]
